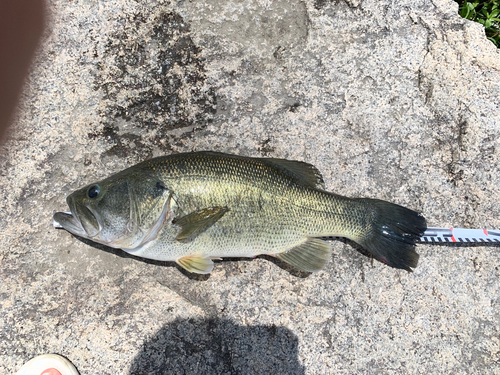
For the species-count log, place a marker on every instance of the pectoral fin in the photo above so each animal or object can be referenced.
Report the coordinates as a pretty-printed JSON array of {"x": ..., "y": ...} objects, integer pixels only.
[
  {"x": 198, "y": 221},
  {"x": 309, "y": 256},
  {"x": 196, "y": 264}
]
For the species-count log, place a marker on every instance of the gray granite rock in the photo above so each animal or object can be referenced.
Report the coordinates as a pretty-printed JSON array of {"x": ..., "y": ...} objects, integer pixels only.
[{"x": 390, "y": 99}]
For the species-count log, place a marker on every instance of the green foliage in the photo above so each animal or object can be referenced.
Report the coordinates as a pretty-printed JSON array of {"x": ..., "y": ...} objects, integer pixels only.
[{"x": 487, "y": 13}]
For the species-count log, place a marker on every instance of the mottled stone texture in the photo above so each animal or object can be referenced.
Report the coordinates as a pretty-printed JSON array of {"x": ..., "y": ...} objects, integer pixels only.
[{"x": 394, "y": 99}]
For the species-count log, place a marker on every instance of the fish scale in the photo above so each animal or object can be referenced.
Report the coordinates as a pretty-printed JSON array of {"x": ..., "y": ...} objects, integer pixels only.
[{"x": 192, "y": 207}]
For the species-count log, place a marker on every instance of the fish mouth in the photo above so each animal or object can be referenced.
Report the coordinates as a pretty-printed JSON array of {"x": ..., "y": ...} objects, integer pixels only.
[
  {"x": 80, "y": 221},
  {"x": 66, "y": 220}
]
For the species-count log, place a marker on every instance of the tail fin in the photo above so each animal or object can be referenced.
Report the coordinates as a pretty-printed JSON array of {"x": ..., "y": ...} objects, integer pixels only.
[{"x": 394, "y": 230}]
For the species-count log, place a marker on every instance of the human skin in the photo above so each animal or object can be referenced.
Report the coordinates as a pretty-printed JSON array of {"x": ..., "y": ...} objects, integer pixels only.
[{"x": 21, "y": 27}]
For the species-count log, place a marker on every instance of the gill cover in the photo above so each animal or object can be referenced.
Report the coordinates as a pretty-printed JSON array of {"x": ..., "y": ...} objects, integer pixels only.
[{"x": 150, "y": 207}]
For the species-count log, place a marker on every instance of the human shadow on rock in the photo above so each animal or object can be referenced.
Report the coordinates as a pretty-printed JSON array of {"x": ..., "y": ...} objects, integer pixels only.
[{"x": 218, "y": 346}]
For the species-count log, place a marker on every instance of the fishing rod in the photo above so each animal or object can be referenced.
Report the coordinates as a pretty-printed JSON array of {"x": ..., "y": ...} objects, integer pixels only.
[
  {"x": 453, "y": 236},
  {"x": 460, "y": 235}
]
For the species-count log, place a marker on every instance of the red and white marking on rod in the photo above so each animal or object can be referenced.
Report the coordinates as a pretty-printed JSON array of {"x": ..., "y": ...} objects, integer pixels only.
[{"x": 460, "y": 235}]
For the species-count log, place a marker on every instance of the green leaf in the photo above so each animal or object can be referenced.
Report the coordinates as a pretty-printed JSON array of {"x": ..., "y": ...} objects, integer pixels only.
[
  {"x": 464, "y": 13},
  {"x": 485, "y": 12}
]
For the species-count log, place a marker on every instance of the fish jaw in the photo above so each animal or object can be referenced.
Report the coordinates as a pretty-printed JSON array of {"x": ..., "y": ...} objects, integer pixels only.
[
  {"x": 87, "y": 217},
  {"x": 80, "y": 221},
  {"x": 67, "y": 221}
]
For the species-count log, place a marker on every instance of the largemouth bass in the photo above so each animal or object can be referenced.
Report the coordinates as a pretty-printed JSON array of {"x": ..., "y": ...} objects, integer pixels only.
[{"x": 192, "y": 208}]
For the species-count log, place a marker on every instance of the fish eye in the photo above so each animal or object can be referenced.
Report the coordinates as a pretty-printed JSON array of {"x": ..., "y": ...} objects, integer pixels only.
[{"x": 94, "y": 191}]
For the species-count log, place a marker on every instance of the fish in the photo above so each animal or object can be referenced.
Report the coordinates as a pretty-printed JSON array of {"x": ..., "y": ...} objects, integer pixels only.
[{"x": 193, "y": 208}]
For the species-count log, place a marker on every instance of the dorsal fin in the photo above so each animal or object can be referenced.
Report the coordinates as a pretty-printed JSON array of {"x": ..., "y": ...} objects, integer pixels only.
[{"x": 304, "y": 173}]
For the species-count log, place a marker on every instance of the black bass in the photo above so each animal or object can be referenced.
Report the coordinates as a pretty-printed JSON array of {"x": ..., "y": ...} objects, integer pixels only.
[{"x": 195, "y": 207}]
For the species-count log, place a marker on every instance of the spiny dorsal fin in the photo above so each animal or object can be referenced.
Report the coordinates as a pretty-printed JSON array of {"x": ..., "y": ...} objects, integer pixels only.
[
  {"x": 198, "y": 221},
  {"x": 309, "y": 256},
  {"x": 304, "y": 173},
  {"x": 196, "y": 264}
]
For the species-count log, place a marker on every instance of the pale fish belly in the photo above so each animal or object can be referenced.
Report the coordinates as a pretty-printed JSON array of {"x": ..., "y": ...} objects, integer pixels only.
[{"x": 237, "y": 234}]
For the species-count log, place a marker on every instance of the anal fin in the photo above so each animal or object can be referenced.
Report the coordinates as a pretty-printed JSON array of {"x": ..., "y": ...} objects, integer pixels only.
[
  {"x": 196, "y": 264},
  {"x": 310, "y": 256}
]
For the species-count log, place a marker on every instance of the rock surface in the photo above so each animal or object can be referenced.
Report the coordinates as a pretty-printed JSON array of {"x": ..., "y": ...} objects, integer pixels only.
[{"x": 390, "y": 99}]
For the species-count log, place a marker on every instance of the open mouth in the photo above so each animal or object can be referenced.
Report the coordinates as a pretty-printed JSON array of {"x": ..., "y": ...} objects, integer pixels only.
[
  {"x": 65, "y": 220},
  {"x": 80, "y": 220}
]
